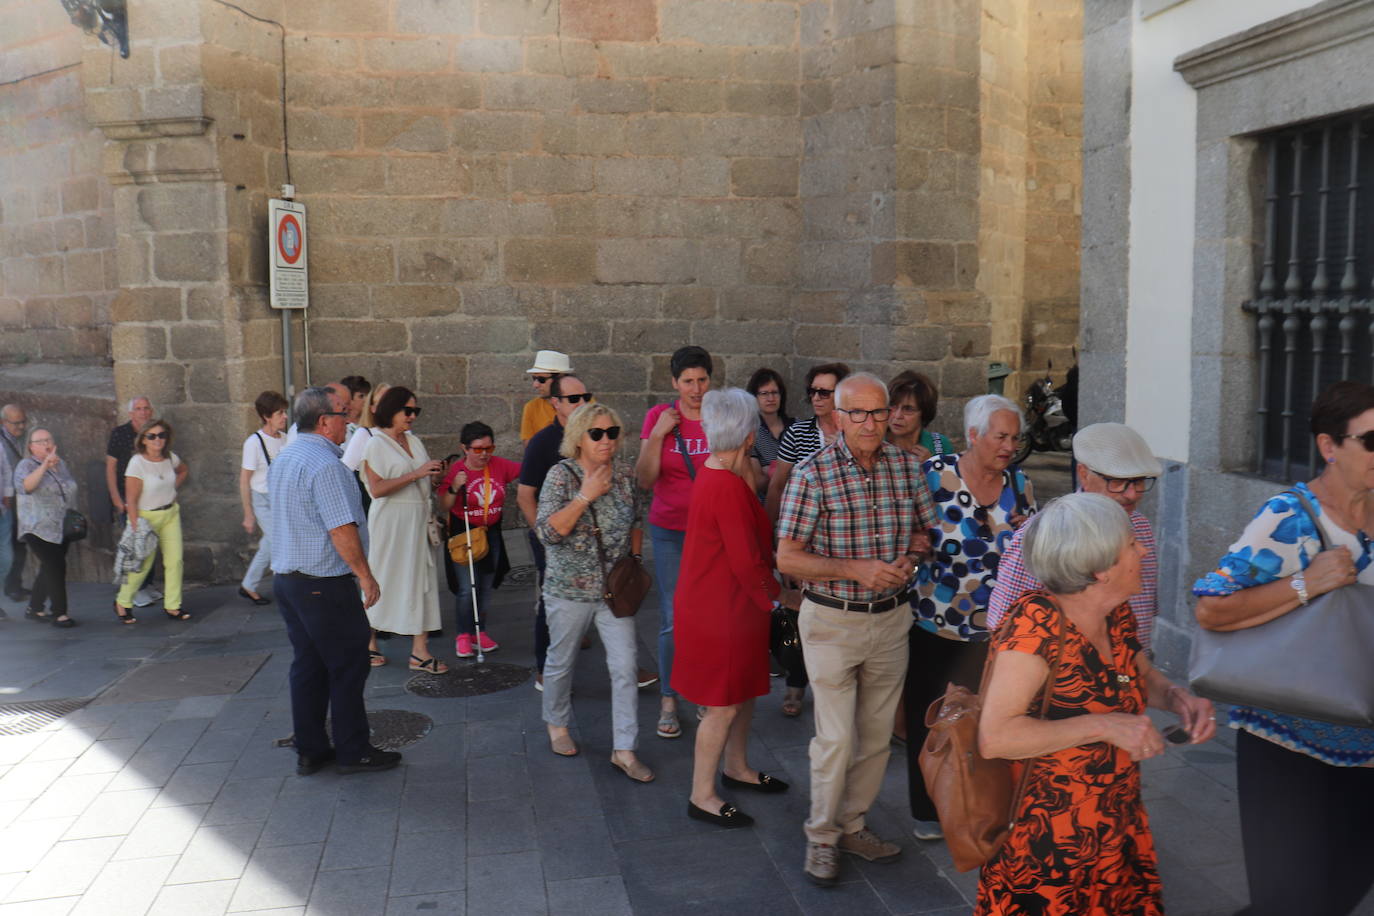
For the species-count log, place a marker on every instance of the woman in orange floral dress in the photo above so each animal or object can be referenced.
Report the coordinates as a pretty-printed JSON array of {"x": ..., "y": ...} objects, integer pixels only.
[{"x": 1080, "y": 843}]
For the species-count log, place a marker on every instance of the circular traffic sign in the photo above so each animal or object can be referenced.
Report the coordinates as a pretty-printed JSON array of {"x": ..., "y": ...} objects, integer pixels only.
[{"x": 289, "y": 239}]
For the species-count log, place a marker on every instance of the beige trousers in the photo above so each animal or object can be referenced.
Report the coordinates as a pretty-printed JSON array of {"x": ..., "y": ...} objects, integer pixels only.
[{"x": 857, "y": 663}]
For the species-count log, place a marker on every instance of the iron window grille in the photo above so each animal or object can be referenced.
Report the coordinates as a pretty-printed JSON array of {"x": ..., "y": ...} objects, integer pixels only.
[{"x": 1314, "y": 318}]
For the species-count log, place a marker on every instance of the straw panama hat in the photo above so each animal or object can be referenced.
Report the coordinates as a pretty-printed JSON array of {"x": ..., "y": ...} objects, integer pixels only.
[
  {"x": 1115, "y": 450},
  {"x": 550, "y": 361}
]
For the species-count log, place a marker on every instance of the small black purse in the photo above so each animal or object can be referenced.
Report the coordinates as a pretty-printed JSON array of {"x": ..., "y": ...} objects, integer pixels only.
[{"x": 74, "y": 525}]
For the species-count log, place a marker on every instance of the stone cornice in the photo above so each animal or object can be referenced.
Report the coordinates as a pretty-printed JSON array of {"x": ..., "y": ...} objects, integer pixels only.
[
  {"x": 154, "y": 128},
  {"x": 1317, "y": 28}
]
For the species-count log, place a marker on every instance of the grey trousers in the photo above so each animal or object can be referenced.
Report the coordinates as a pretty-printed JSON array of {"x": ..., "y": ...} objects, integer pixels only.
[{"x": 568, "y": 623}]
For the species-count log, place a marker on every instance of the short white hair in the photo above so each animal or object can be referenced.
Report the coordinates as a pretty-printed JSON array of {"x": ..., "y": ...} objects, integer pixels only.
[
  {"x": 728, "y": 416},
  {"x": 978, "y": 412},
  {"x": 858, "y": 380},
  {"x": 1074, "y": 538},
  {"x": 129, "y": 408}
]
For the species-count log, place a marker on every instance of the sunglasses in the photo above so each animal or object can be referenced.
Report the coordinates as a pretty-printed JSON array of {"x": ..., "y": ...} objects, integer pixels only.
[
  {"x": 819, "y": 392},
  {"x": 155, "y": 435},
  {"x": 541, "y": 379},
  {"x": 576, "y": 398},
  {"x": 1365, "y": 439},
  {"x": 610, "y": 432},
  {"x": 481, "y": 449},
  {"x": 859, "y": 415},
  {"x": 411, "y": 411}
]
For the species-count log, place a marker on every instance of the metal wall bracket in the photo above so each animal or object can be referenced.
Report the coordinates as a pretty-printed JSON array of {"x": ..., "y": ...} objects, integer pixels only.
[{"x": 108, "y": 20}]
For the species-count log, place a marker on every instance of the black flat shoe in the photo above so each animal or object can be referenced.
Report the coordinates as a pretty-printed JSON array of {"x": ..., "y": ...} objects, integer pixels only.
[
  {"x": 307, "y": 765},
  {"x": 260, "y": 600},
  {"x": 63, "y": 623},
  {"x": 176, "y": 615},
  {"x": 375, "y": 762},
  {"x": 769, "y": 785},
  {"x": 729, "y": 816},
  {"x": 42, "y": 616}
]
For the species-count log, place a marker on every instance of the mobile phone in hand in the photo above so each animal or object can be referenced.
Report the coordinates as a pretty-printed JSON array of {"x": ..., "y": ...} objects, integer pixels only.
[{"x": 1177, "y": 734}]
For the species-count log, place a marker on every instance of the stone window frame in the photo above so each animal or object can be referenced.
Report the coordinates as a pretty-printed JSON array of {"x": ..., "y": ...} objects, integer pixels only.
[{"x": 1277, "y": 74}]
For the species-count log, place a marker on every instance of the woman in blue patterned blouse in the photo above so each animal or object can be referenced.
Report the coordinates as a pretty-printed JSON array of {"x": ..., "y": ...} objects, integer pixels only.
[{"x": 1305, "y": 788}]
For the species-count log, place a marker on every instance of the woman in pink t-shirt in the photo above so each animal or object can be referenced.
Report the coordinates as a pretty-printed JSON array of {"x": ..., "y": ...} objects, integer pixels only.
[
  {"x": 481, "y": 478},
  {"x": 674, "y": 449}
]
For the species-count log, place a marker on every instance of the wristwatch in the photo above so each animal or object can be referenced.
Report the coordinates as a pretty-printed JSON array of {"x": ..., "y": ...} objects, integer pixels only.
[{"x": 1300, "y": 586}]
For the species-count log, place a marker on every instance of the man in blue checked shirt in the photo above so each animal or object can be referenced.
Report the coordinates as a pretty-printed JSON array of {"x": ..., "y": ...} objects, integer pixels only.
[{"x": 322, "y": 547}]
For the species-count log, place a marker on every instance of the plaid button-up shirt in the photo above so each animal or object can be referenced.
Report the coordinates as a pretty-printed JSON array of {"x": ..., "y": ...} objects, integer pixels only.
[
  {"x": 1014, "y": 580},
  {"x": 311, "y": 493},
  {"x": 839, "y": 510}
]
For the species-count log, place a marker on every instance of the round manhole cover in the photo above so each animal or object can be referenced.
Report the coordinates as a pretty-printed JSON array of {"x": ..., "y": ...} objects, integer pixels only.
[
  {"x": 469, "y": 680},
  {"x": 391, "y": 729},
  {"x": 520, "y": 575}
]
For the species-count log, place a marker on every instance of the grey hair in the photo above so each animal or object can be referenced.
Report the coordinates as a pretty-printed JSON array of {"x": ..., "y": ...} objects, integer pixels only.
[
  {"x": 310, "y": 405},
  {"x": 129, "y": 408},
  {"x": 978, "y": 412},
  {"x": 728, "y": 417},
  {"x": 858, "y": 380},
  {"x": 1074, "y": 538}
]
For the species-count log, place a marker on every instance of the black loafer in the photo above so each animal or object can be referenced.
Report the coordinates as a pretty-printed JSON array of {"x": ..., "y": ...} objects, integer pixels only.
[
  {"x": 375, "y": 762},
  {"x": 63, "y": 623},
  {"x": 729, "y": 816},
  {"x": 769, "y": 785},
  {"x": 260, "y": 600},
  {"x": 307, "y": 765}
]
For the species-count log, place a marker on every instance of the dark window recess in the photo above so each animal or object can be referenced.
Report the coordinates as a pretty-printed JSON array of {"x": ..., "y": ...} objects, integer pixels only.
[{"x": 1313, "y": 312}]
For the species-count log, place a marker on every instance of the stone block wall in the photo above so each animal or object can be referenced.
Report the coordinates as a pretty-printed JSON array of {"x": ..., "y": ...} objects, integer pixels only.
[{"x": 57, "y": 257}]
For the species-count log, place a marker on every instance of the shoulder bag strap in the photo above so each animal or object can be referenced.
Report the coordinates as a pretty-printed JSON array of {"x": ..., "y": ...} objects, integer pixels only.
[
  {"x": 263, "y": 446},
  {"x": 1044, "y": 710},
  {"x": 1312, "y": 514},
  {"x": 596, "y": 533},
  {"x": 1022, "y": 506},
  {"x": 682, "y": 450}
]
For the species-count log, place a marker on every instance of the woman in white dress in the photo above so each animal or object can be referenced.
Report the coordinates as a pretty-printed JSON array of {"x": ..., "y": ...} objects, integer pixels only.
[{"x": 400, "y": 477}]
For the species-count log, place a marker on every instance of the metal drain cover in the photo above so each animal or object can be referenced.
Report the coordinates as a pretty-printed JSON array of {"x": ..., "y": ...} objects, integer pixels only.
[
  {"x": 521, "y": 575},
  {"x": 32, "y": 716},
  {"x": 391, "y": 729},
  {"x": 469, "y": 680}
]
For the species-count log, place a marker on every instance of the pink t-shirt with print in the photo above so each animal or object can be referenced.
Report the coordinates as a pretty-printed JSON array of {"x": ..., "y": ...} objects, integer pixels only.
[{"x": 673, "y": 489}]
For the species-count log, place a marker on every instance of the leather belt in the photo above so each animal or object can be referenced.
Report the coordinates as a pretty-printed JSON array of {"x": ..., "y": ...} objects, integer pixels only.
[
  {"x": 160, "y": 508},
  {"x": 301, "y": 575},
  {"x": 864, "y": 607}
]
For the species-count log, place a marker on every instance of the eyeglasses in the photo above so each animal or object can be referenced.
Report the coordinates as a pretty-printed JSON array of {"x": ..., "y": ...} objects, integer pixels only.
[
  {"x": 334, "y": 413},
  {"x": 1122, "y": 484},
  {"x": 1365, "y": 439},
  {"x": 541, "y": 379},
  {"x": 858, "y": 415},
  {"x": 576, "y": 398},
  {"x": 411, "y": 411},
  {"x": 610, "y": 432},
  {"x": 155, "y": 435},
  {"x": 481, "y": 449},
  {"x": 819, "y": 392},
  {"x": 906, "y": 410},
  {"x": 21, "y": 423}
]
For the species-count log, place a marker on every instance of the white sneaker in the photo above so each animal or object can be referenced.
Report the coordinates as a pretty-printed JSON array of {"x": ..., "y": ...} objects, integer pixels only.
[
  {"x": 928, "y": 830},
  {"x": 154, "y": 592},
  {"x": 144, "y": 597}
]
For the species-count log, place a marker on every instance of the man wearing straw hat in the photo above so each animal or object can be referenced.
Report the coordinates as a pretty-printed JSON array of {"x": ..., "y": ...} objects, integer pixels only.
[{"x": 538, "y": 412}]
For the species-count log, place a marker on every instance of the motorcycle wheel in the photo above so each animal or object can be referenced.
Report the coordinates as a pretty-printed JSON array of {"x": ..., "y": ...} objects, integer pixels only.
[
  {"x": 1022, "y": 451},
  {"x": 1063, "y": 440}
]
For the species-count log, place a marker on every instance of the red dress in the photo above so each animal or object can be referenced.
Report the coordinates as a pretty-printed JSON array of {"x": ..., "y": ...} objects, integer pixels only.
[{"x": 724, "y": 597}]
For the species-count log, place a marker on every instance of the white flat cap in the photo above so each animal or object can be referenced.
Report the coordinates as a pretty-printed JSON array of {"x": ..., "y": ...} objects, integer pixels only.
[
  {"x": 550, "y": 361},
  {"x": 1115, "y": 450}
]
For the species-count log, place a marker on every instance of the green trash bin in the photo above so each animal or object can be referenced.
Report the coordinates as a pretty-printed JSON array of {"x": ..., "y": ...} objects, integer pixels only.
[{"x": 997, "y": 377}]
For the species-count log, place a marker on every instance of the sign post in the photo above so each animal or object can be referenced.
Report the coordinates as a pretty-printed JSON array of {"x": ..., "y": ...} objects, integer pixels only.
[{"x": 288, "y": 270}]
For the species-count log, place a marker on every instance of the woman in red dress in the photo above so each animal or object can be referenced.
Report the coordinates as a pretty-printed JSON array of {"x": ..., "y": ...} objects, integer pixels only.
[{"x": 723, "y": 603}]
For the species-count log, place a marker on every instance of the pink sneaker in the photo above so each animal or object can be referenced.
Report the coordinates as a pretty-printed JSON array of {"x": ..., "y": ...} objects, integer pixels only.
[
  {"x": 463, "y": 646},
  {"x": 489, "y": 644}
]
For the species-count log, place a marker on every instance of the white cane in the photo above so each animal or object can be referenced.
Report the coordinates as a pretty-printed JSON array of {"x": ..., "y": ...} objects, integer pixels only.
[{"x": 472, "y": 582}]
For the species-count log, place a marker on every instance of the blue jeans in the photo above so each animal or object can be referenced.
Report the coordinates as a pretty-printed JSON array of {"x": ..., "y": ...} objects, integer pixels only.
[
  {"x": 667, "y": 558},
  {"x": 462, "y": 613},
  {"x": 328, "y": 630},
  {"x": 6, "y": 542}
]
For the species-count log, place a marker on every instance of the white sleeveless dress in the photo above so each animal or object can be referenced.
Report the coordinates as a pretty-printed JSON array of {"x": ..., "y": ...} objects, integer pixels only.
[{"x": 398, "y": 544}]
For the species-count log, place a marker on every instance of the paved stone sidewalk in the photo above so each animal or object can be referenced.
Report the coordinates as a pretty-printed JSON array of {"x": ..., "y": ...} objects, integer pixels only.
[{"x": 186, "y": 806}]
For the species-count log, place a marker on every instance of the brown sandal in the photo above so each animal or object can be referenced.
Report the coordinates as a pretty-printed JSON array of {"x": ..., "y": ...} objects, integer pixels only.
[{"x": 430, "y": 665}]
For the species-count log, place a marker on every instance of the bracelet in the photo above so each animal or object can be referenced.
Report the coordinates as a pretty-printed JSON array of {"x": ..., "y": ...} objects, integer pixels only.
[
  {"x": 637, "y": 556},
  {"x": 579, "y": 495}
]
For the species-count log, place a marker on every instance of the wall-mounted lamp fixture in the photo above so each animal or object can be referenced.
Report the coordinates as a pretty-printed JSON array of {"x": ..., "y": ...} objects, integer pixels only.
[{"x": 108, "y": 20}]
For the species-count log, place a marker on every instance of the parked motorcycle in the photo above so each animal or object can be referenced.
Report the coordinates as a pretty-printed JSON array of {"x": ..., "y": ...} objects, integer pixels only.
[{"x": 1048, "y": 425}]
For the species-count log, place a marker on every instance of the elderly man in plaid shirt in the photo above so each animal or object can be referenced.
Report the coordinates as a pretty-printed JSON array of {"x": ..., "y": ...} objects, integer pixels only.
[
  {"x": 1113, "y": 460},
  {"x": 854, "y": 521}
]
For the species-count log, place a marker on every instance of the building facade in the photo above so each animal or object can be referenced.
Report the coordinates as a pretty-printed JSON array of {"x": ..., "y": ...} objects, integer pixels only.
[{"x": 893, "y": 183}]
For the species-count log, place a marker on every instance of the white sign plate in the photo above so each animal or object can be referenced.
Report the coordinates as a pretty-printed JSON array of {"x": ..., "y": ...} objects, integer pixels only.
[{"x": 290, "y": 278}]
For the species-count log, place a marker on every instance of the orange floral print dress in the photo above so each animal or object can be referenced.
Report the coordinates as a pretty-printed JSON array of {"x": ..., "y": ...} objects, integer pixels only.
[{"x": 1081, "y": 843}]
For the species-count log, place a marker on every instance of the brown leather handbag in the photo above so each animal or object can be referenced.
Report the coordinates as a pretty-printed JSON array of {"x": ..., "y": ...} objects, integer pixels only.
[
  {"x": 626, "y": 582},
  {"x": 974, "y": 795}
]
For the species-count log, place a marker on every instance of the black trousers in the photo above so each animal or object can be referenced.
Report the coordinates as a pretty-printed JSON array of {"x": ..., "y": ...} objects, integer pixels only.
[
  {"x": 14, "y": 578},
  {"x": 329, "y": 632},
  {"x": 1306, "y": 830},
  {"x": 934, "y": 663},
  {"x": 50, "y": 585}
]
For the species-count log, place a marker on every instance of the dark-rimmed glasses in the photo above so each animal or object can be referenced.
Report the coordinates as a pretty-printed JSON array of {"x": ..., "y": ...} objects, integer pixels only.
[
  {"x": 819, "y": 392},
  {"x": 1122, "y": 484},
  {"x": 575, "y": 398},
  {"x": 610, "y": 432},
  {"x": 1365, "y": 439},
  {"x": 859, "y": 415}
]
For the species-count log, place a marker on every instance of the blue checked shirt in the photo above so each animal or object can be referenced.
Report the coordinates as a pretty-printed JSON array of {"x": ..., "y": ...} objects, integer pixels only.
[{"x": 312, "y": 493}]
